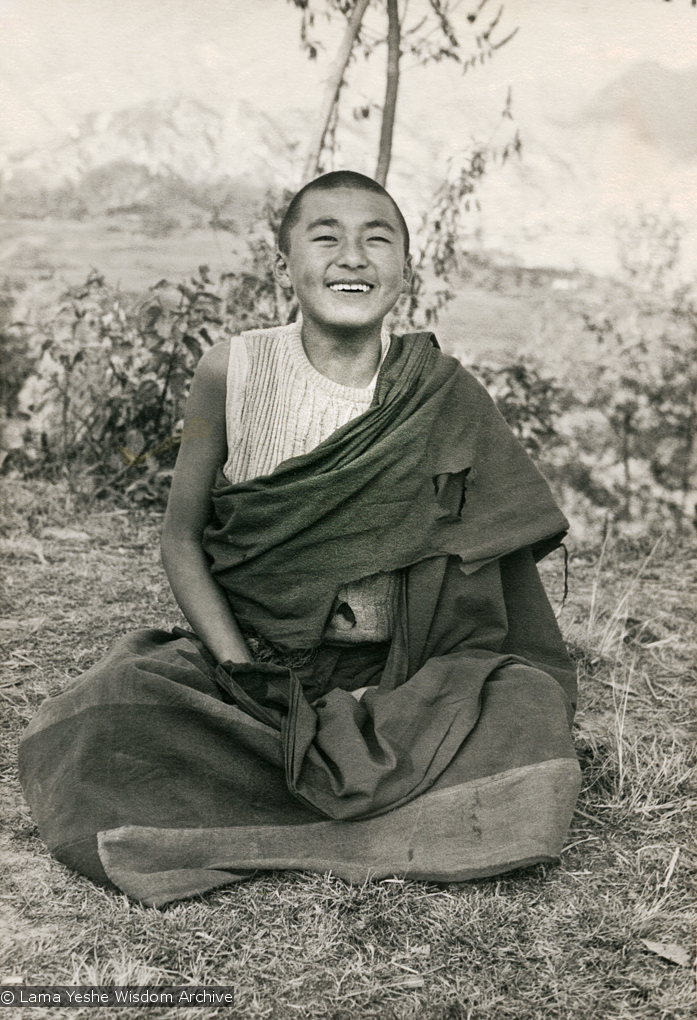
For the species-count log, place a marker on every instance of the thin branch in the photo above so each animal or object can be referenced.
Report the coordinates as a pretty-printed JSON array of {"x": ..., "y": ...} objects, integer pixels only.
[
  {"x": 498, "y": 45},
  {"x": 391, "y": 91},
  {"x": 444, "y": 22},
  {"x": 492, "y": 25},
  {"x": 473, "y": 16},
  {"x": 415, "y": 28}
]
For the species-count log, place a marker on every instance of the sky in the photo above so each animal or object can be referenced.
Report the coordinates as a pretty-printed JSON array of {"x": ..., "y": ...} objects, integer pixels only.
[
  {"x": 65, "y": 58},
  {"x": 62, "y": 58}
]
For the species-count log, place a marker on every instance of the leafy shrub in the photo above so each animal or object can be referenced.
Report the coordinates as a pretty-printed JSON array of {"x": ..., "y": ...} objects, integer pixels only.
[
  {"x": 530, "y": 402},
  {"x": 645, "y": 384},
  {"x": 105, "y": 403},
  {"x": 97, "y": 385}
]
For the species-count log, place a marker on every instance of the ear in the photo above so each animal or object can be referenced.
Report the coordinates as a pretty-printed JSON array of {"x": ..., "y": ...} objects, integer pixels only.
[
  {"x": 407, "y": 272},
  {"x": 280, "y": 271}
]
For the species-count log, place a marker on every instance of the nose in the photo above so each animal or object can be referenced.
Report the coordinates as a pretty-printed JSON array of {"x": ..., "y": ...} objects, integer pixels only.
[{"x": 352, "y": 254}]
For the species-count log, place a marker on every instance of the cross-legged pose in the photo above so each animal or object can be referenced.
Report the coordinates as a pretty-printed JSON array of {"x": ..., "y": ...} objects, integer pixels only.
[{"x": 374, "y": 682}]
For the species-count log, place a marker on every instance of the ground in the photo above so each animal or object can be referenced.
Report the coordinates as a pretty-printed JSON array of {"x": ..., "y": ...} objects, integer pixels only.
[{"x": 606, "y": 934}]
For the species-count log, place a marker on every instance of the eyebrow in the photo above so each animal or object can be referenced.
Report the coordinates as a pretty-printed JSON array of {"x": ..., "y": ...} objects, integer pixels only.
[
  {"x": 330, "y": 221},
  {"x": 382, "y": 224},
  {"x": 324, "y": 221}
]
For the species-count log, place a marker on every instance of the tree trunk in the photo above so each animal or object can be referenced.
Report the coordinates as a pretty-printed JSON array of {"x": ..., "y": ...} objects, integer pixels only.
[
  {"x": 332, "y": 91},
  {"x": 391, "y": 90}
]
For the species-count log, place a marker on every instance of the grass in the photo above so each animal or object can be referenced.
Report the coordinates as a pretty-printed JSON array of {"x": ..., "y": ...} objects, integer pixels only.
[
  {"x": 547, "y": 943},
  {"x": 66, "y": 250}
]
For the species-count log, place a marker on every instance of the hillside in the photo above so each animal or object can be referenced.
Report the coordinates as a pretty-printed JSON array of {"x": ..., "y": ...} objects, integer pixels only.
[{"x": 175, "y": 159}]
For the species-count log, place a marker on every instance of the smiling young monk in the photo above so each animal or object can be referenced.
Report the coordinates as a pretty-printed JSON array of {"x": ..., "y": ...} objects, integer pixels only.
[{"x": 375, "y": 683}]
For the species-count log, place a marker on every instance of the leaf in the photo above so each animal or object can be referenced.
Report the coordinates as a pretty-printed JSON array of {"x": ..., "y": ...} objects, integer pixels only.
[
  {"x": 136, "y": 441},
  {"x": 148, "y": 316},
  {"x": 669, "y": 951},
  {"x": 192, "y": 345}
]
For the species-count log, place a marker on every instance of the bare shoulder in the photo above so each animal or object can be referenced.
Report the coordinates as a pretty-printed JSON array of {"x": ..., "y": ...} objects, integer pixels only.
[
  {"x": 212, "y": 367},
  {"x": 208, "y": 387}
]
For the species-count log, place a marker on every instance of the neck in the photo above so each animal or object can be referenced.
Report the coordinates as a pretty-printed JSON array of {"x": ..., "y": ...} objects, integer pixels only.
[{"x": 349, "y": 357}]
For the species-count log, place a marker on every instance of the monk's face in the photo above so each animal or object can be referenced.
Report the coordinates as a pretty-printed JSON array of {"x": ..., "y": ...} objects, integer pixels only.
[{"x": 346, "y": 261}]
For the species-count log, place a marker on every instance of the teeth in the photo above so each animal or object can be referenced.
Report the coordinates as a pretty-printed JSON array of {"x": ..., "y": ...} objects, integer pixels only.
[{"x": 362, "y": 287}]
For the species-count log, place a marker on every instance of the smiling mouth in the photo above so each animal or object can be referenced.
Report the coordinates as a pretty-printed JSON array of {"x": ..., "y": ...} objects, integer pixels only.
[{"x": 350, "y": 288}]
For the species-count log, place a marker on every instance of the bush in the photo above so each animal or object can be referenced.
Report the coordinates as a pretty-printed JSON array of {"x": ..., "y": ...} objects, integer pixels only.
[{"x": 102, "y": 398}]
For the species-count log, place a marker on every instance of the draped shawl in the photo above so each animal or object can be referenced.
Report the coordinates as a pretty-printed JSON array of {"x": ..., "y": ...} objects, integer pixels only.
[{"x": 431, "y": 469}]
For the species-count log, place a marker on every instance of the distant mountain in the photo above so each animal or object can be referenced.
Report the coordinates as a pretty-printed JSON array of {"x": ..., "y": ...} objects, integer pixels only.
[
  {"x": 180, "y": 163},
  {"x": 180, "y": 137},
  {"x": 177, "y": 154}
]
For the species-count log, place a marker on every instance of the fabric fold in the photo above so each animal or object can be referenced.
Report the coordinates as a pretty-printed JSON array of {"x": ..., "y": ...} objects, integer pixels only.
[{"x": 365, "y": 502}]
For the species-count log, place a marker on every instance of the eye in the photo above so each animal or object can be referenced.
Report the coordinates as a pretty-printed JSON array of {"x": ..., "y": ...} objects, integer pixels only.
[
  {"x": 380, "y": 237},
  {"x": 324, "y": 237}
]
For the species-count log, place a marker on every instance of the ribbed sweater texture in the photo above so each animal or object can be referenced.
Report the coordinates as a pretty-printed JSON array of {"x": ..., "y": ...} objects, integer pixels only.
[{"x": 279, "y": 406}]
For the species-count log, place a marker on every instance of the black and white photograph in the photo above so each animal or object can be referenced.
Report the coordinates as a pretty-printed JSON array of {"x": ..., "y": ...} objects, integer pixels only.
[{"x": 348, "y": 513}]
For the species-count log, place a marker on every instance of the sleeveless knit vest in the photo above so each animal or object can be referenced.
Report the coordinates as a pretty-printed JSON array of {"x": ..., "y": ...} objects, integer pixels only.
[{"x": 279, "y": 406}]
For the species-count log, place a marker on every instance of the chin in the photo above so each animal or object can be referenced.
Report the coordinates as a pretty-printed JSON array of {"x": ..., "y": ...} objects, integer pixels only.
[
  {"x": 355, "y": 322},
  {"x": 359, "y": 317}
]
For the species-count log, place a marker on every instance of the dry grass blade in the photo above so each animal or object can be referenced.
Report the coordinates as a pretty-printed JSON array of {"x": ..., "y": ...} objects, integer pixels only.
[{"x": 614, "y": 629}]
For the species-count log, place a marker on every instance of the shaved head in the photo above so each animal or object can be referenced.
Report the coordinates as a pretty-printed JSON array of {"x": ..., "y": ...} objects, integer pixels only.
[{"x": 328, "y": 182}]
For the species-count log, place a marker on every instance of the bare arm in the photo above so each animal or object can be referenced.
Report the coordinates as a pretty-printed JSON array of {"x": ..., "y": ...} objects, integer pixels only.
[{"x": 200, "y": 597}]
